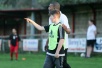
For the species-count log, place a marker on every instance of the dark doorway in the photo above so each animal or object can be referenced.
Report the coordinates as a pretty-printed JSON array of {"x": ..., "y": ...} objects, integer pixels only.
[{"x": 10, "y": 20}]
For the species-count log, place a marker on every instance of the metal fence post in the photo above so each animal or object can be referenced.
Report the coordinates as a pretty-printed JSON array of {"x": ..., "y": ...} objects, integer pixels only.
[
  {"x": 41, "y": 37},
  {"x": 3, "y": 46}
]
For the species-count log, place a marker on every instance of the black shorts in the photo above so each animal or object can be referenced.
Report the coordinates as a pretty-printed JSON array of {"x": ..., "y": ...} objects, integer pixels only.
[{"x": 91, "y": 42}]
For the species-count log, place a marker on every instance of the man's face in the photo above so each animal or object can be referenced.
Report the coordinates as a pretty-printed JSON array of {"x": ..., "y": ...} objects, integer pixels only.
[
  {"x": 89, "y": 22},
  {"x": 13, "y": 31},
  {"x": 54, "y": 18},
  {"x": 51, "y": 7}
]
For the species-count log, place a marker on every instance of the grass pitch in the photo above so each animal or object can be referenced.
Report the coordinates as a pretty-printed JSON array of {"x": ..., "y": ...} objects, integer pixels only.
[{"x": 37, "y": 61}]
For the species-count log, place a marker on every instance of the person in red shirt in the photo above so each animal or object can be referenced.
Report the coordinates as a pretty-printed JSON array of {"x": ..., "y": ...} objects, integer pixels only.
[{"x": 14, "y": 43}]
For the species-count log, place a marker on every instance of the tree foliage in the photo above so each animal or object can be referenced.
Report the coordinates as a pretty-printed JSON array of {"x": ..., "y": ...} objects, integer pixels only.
[
  {"x": 22, "y": 4},
  {"x": 14, "y": 4}
]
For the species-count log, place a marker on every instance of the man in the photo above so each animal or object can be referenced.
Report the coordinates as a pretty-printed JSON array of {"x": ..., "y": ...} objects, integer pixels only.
[
  {"x": 14, "y": 44},
  {"x": 91, "y": 38},
  {"x": 56, "y": 40},
  {"x": 65, "y": 25}
]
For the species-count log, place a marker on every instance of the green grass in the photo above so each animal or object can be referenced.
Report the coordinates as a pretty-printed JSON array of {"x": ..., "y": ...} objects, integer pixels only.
[{"x": 37, "y": 60}]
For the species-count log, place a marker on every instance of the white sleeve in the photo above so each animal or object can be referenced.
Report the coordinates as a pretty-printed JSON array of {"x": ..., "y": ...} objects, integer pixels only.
[
  {"x": 64, "y": 20},
  {"x": 94, "y": 28},
  {"x": 49, "y": 21}
]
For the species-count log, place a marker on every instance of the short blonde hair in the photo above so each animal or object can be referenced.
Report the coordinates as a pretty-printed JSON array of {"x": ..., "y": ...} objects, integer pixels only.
[{"x": 55, "y": 12}]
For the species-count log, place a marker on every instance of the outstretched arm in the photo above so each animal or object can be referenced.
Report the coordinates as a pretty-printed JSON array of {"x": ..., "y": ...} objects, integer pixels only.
[{"x": 37, "y": 26}]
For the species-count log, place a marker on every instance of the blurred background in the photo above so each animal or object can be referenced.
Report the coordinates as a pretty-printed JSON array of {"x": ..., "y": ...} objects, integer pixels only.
[
  {"x": 31, "y": 48},
  {"x": 13, "y": 12}
]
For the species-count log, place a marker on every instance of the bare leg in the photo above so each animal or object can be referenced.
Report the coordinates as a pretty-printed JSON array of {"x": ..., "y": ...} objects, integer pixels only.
[
  {"x": 16, "y": 55},
  {"x": 89, "y": 51}
]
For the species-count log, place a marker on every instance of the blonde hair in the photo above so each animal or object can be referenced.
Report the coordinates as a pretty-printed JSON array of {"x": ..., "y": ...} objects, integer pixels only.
[{"x": 55, "y": 12}]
